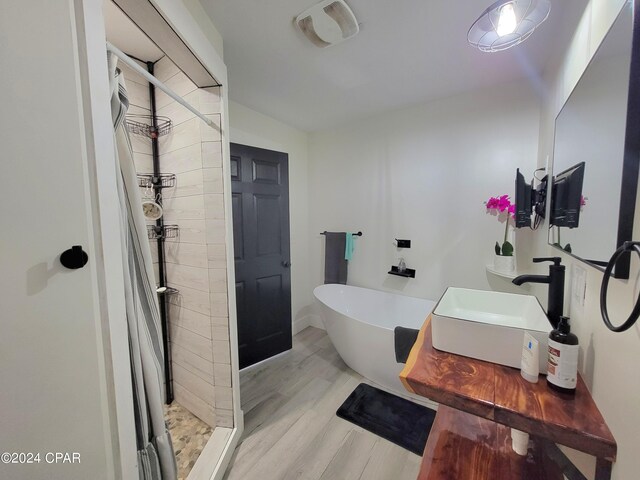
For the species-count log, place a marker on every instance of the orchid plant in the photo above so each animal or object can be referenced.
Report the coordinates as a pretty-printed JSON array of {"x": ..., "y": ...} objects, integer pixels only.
[{"x": 502, "y": 208}]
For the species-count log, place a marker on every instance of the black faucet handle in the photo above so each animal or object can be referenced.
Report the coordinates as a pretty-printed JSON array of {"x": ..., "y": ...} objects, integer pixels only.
[{"x": 556, "y": 260}]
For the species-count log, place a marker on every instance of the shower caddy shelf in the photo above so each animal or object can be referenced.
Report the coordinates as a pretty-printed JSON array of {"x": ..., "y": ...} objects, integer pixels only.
[
  {"x": 156, "y": 232},
  {"x": 160, "y": 180},
  {"x": 144, "y": 125},
  {"x": 169, "y": 291}
]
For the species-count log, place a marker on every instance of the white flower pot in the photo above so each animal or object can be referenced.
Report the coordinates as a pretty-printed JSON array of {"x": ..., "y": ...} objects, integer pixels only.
[{"x": 504, "y": 264}]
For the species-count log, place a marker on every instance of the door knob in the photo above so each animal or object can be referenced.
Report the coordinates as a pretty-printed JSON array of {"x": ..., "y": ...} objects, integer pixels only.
[
  {"x": 286, "y": 264},
  {"x": 74, "y": 257}
]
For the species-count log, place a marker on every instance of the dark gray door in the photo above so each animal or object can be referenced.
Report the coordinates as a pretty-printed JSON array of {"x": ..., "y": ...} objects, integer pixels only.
[{"x": 260, "y": 204}]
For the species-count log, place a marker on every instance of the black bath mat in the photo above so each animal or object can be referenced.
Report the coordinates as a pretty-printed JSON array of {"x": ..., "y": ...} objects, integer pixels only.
[{"x": 393, "y": 418}]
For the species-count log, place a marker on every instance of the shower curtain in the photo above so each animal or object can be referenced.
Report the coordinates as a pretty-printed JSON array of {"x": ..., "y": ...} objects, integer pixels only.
[{"x": 156, "y": 459}]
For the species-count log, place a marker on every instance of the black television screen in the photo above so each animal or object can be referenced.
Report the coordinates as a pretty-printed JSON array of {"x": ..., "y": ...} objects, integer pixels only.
[
  {"x": 566, "y": 197},
  {"x": 523, "y": 202}
]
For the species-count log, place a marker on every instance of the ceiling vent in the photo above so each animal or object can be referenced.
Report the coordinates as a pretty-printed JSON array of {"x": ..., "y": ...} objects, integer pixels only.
[{"x": 328, "y": 23}]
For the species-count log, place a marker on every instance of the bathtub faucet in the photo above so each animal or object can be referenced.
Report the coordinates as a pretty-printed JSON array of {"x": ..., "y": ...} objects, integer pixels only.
[{"x": 555, "y": 279}]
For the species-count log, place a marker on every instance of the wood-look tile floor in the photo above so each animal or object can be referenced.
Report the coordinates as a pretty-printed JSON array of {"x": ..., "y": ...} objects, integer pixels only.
[
  {"x": 189, "y": 435},
  {"x": 292, "y": 431}
]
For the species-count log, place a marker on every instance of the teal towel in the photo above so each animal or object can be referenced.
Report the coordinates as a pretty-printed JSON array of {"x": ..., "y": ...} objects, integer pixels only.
[{"x": 349, "y": 246}]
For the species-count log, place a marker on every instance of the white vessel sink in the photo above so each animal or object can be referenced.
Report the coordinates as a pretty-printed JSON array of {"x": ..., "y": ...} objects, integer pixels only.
[{"x": 489, "y": 325}]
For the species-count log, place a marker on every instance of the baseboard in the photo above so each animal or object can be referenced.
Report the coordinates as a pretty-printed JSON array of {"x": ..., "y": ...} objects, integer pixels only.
[
  {"x": 298, "y": 325},
  {"x": 307, "y": 321},
  {"x": 262, "y": 362},
  {"x": 316, "y": 321}
]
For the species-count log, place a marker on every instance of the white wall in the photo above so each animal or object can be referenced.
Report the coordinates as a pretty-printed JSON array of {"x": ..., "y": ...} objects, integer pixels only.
[
  {"x": 609, "y": 361},
  {"x": 422, "y": 173},
  {"x": 249, "y": 127}
]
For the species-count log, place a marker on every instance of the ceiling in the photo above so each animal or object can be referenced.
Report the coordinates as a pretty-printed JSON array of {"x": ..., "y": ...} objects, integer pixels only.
[
  {"x": 125, "y": 35},
  {"x": 407, "y": 51}
]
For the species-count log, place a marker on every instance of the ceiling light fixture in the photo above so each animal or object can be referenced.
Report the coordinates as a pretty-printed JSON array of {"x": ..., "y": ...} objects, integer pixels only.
[
  {"x": 507, "y": 23},
  {"x": 328, "y": 23}
]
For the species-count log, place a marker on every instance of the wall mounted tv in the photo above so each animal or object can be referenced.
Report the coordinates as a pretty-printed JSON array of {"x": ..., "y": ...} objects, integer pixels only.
[
  {"x": 567, "y": 197},
  {"x": 524, "y": 202}
]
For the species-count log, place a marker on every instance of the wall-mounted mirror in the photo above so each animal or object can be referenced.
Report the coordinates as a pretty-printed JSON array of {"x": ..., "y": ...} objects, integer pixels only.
[{"x": 597, "y": 145}]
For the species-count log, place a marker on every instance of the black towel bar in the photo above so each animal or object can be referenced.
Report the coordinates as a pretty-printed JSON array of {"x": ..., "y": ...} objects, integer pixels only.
[{"x": 359, "y": 234}]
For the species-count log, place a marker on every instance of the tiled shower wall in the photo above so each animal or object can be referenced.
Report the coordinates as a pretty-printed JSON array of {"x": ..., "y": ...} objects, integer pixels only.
[{"x": 196, "y": 261}]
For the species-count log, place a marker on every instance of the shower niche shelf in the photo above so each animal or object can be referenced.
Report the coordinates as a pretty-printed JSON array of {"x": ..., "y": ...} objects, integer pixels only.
[
  {"x": 143, "y": 125},
  {"x": 160, "y": 180},
  {"x": 407, "y": 273},
  {"x": 155, "y": 232}
]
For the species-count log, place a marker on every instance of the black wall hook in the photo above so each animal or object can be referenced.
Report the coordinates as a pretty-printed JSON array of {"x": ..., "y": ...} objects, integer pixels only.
[{"x": 74, "y": 258}]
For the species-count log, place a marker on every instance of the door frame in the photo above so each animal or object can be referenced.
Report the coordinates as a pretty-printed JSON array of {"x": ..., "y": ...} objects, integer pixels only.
[{"x": 105, "y": 222}]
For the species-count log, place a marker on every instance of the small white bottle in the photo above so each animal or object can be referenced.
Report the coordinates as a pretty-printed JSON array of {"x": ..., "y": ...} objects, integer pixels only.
[
  {"x": 519, "y": 441},
  {"x": 530, "y": 364}
]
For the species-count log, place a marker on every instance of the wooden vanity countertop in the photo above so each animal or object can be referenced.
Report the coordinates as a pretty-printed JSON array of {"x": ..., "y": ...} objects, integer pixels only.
[{"x": 500, "y": 394}]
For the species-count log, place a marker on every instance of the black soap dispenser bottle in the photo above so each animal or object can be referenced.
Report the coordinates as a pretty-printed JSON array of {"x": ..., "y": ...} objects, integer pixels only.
[{"x": 562, "y": 367}]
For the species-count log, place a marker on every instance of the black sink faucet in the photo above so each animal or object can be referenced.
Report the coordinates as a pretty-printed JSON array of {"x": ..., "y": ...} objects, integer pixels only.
[{"x": 555, "y": 279}]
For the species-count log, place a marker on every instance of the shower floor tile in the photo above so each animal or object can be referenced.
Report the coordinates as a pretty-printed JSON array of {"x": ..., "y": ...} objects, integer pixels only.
[{"x": 189, "y": 435}]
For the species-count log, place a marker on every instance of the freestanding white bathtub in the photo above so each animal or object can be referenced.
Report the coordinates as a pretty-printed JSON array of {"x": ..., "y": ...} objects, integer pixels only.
[{"x": 360, "y": 323}]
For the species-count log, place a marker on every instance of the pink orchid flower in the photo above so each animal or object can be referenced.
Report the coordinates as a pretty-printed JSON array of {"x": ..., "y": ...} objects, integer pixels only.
[
  {"x": 502, "y": 208},
  {"x": 504, "y": 203},
  {"x": 492, "y": 203},
  {"x": 500, "y": 204}
]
